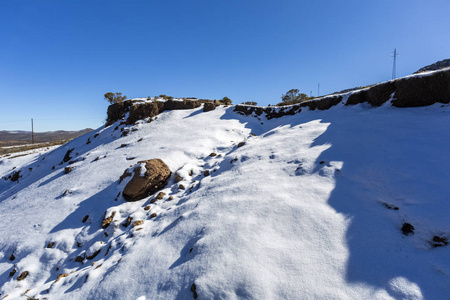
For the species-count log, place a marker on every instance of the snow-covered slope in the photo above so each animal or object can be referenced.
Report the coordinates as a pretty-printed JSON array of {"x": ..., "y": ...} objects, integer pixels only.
[{"x": 310, "y": 207}]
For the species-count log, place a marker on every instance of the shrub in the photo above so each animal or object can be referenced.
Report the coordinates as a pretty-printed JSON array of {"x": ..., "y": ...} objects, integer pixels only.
[
  {"x": 293, "y": 96},
  {"x": 114, "y": 98},
  {"x": 225, "y": 101},
  {"x": 250, "y": 103}
]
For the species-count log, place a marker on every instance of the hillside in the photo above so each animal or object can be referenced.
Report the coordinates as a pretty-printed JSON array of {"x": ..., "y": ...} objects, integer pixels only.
[
  {"x": 340, "y": 198},
  {"x": 13, "y": 138}
]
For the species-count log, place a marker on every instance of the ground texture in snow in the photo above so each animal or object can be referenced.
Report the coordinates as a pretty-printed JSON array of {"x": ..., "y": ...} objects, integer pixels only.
[{"x": 305, "y": 209}]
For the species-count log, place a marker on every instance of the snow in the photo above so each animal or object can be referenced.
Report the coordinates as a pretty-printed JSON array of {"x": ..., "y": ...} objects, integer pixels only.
[{"x": 298, "y": 212}]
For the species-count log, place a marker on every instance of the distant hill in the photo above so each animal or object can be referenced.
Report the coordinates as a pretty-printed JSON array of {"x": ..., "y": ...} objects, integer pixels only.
[{"x": 13, "y": 138}]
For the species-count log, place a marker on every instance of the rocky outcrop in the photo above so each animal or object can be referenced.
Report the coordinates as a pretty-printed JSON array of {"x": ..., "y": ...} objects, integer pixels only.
[
  {"x": 208, "y": 106},
  {"x": 422, "y": 90},
  {"x": 139, "y": 109},
  {"x": 404, "y": 92},
  {"x": 154, "y": 179},
  {"x": 436, "y": 66}
]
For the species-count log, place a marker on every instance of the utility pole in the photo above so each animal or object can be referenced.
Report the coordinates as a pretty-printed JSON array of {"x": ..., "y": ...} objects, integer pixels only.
[
  {"x": 318, "y": 89},
  {"x": 32, "y": 131},
  {"x": 394, "y": 68}
]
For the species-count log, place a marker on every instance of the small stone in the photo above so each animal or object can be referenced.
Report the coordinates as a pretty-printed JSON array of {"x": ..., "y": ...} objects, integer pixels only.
[
  {"x": 86, "y": 217},
  {"x": 322, "y": 162},
  {"x": 67, "y": 170},
  {"x": 12, "y": 257},
  {"x": 407, "y": 229},
  {"x": 22, "y": 276},
  {"x": 178, "y": 178},
  {"x": 252, "y": 134},
  {"x": 140, "y": 140},
  {"x": 240, "y": 144},
  {"x": 138, "y": 222},
  {"x": 191, "y": 172},
  {"x": 147, "y": 207},
  {"x": 213, "y": 154},
  {"x": 53, "y": 167},
  {"x": 153, "y": 215},
  {"x": 194, "y": 290},
  {"x": 79, "y": 259},
  {"x": 108, "y": 220},
  {"x": 13, "y": 272},
  {"x": 206, "y": 173},
  {"x": 439, "y": 241},
  {"x": 98, "y": 266},
  {"x": 170, "y": 198},
  {"x": 123, "y": 145},
  {"x": 181, "y": 187},
  {"x": 50, "y": 245},
  {"x": 127, "y": 222},
  {"x": 160, "y": 195}
]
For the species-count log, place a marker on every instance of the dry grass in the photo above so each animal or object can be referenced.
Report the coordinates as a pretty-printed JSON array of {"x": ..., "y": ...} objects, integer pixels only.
[{"x": 10, "y": 150}]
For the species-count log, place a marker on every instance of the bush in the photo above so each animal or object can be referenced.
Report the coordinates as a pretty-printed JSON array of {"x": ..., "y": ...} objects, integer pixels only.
[
  {"x": 114, "y": 98},
  {"x": 250, "y": 103},
  {"x": 293, "y": 96},
  {"x": 225, "y": 101}
]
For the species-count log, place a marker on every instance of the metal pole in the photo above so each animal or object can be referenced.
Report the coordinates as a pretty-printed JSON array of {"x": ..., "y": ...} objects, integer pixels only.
[
  {"x": 32, "y": 131},
  {"x": 318, "y": 89},
  {"x": 395, "y": 64}
]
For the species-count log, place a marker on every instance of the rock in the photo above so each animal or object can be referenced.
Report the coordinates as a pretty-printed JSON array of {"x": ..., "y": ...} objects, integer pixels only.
[
  {"x": 194, "y": 290},
  {"x": 213, "y": 154},
  {"x": 208, "y": 106},
  {"x": 178, "y": 178},
  {"x": 153, "y": 215},
  {"x": 124, "y": 175},
  {"x": 108, "y": 220},
  {"x": 22, "y": 276},
  {"x": 12, "y": 257},
  {"x": 61, "y": 276},
  {"x": 123, "y": 145},
  {"x": 436, "y": 66},
  {"x": 86, "y": 217},
  {"x": 390, "y": 206},
  {"x": 67, "y": 170},
  {"x": 160, "y": 195},
  {"x": 206, "y": 173},
  {"x": 15, "y": 176},
  {"x": 181, "y": 187},
  {"x": 138, "y": 222},
  {"x": 94, "y": 254},
  {"x": 127, "y": 222},
  {"x": 240, "y": 144},
  {"x": 170, "y": 198},
  {"x": 147, "y": 207},
  {"x": 50, "y": 245},
  {"x": 67, "y": 156},
  {"x": 79, "y": 259},
  {"x": 155, "y": 178},
  {"x": 13, "y": 272},
  {"x": 439, "y": 241},
  {"x": 407, "y": 229}
]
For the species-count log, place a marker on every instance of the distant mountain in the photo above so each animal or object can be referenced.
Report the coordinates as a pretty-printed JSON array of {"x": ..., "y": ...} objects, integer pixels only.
[
  {"x": 12, "y": 138},
  {"x": 436, "y": 66}
]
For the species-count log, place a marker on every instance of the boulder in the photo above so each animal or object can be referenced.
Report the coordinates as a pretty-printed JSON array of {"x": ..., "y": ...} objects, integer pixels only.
[
  {"x": 208, "y": 106},
  {"x": 154, "y": 179}
]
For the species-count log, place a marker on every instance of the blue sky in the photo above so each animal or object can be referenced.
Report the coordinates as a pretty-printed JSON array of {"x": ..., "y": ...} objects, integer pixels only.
[{"x": 58, "y": 58}]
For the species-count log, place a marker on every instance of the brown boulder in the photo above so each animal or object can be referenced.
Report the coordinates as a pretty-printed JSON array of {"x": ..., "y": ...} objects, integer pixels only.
[
  {"x": 155, "y": 178},
  {"x": 208, "y": 106}
]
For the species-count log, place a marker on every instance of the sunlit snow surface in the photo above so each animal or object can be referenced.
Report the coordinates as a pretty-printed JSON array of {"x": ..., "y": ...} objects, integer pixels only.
[{"x": 298, "y": 212}]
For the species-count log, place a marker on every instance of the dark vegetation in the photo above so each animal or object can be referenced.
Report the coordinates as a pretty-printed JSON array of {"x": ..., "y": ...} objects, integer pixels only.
[{"x": 115, "y": 97}]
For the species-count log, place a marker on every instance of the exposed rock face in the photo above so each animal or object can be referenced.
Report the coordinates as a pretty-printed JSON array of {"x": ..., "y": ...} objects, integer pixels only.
[
  {"x": 155, "y": 178},
  {"x": 376, "y": 95},
  {"x": 139, "y": 110},
  {"x": 422, "y": 91},
  {"x": 142, "y": 111},
  {"x": 436, "y": 66}
]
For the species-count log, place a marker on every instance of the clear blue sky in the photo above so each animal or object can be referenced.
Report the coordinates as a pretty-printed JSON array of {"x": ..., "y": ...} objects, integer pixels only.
[{"x": 58, "y": 58}]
